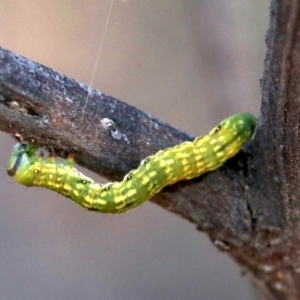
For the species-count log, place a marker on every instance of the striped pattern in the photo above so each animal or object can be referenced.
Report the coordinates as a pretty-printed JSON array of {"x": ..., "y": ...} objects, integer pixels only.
[{"x": 182, "y": 162}]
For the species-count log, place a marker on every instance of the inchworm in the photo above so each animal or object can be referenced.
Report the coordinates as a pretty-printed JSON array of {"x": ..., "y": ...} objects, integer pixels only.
[{"x": 182, "y": 162}]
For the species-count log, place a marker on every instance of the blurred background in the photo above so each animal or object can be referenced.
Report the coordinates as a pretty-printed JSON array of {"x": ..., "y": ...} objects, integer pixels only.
[{"x": 191, "y": 63}]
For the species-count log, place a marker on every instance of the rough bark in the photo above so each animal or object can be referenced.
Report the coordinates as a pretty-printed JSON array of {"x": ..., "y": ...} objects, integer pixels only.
[
  {"x": 249, "y": 207},
  {"x": 273, "y": 252}
]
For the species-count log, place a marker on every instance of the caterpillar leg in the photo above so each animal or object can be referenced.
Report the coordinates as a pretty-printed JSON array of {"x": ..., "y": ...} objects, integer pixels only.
[{"x": 70, "y": 160}]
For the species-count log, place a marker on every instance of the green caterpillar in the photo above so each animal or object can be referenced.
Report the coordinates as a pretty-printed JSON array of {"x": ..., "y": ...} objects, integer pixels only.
[{"x": 182, "y": 162}]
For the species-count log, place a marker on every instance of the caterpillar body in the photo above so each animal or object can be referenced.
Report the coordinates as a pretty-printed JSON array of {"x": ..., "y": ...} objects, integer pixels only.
[{"x": 182, "y": 162}]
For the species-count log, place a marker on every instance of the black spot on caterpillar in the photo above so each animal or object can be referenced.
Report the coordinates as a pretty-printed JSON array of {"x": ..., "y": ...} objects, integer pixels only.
[{"x": 182, "y": 162}]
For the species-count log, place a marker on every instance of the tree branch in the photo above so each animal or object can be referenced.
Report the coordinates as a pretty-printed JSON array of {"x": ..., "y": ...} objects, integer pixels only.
[{"x": 111, "y": 137}]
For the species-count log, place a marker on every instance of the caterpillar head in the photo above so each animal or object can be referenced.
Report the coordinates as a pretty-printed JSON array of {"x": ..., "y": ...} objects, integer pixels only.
[{"x": 19, "y": 166}]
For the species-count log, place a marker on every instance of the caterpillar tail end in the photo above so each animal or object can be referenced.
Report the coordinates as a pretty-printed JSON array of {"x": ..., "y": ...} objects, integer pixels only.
[{"x": 243, "y": 124}]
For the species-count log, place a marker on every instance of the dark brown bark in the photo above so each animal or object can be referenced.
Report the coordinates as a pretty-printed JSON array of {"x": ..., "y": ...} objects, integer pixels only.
[
  {"x": 273, "y": 252},
  {"x": 249, "y": 207}
]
